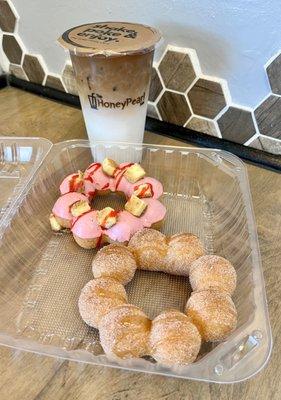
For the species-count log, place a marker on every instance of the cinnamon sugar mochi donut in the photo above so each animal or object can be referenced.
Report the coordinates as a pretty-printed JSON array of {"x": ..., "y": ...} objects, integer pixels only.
[
  {"x": 213, "y": 312},
  {"x": 91, "y": 227},
  {"x": 212, "y": 271},
  {"x": 114, "y": 261},
  {"x": 124, "y": 332},
  {"x": 174, "y": 339},
  {"x": 156, "y": 252},
  {"x": 149, "y": 247},
  {"x": 183, "y": 249},
  {"x": 98, "y": 297}
]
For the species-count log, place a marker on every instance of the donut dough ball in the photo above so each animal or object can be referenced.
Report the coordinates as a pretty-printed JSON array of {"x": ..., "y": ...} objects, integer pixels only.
[
  {"x": 124, "y": 332},
  {"x": 213, "y": 313},
  {"x": 174, "y": 339},
  {"x": 114, "y": 261},
  {"x": 212, "y": 271},
  {"x": 149, "y": 247},
  {"x": 98, "y": 297},
  {"x": 183, "y": 249}
]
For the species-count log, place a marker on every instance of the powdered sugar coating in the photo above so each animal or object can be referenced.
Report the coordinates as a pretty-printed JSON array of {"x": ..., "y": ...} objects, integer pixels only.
[
  {"x": 114, "y": 261},
  {"x": 183, "y": 249},
  {"x": 150, "y": 248},
  {"x": 98, "y": 297},
  {"x": 124, "y": 332},
  {"x": 212, "y": 271},
  {"x": 213, "y": 313},
  {"x": 174, "y": 339}
]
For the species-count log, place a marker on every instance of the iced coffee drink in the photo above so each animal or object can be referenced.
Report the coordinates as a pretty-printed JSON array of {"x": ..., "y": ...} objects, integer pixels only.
[{"x": 112, "y": 63}]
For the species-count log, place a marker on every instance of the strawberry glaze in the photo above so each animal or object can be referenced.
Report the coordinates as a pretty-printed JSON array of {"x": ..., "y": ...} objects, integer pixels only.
[
  {"x": 86, "y": 225},
  {"x": 62, "y": 205},
  {"x": 65, "y": 186}
]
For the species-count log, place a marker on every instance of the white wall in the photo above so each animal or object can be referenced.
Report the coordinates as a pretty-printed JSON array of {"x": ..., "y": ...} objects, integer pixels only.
[{"x": 233, "y": 38}]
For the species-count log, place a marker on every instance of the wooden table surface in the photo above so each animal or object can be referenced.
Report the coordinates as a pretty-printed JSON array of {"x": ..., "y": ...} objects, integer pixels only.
[{"x": 27, "y": 376}]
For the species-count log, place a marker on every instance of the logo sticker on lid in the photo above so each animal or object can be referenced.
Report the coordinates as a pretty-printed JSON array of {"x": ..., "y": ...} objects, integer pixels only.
[{"x": 110, "y": 38}]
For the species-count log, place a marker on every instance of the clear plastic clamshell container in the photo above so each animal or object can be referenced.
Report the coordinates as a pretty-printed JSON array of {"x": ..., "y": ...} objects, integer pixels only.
[{"x": 41, "y": 273}]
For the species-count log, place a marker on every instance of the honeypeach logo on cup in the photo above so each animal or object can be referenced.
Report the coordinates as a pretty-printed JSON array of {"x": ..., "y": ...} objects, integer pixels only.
[
  {"x": 112, "y": 62},
  {"x": 96, "y": 101}
]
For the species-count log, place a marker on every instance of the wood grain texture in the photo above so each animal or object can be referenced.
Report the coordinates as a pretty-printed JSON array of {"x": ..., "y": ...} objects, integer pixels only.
[
  {"x": 33, "y": 69},
  {"x": 155, "y": 85},
  {"x": 54, "y": 82},
  {"x": 7, "y": 17},
  {"x": 177, "y": 71},
  {"x": 12, "y": 49},
  {"x": 18, "y": 71},
  {"x": 274, "y": 75},
  {"x": 237, "y": 125},
  {"x": 27, "y": 376},
  {"x": 203, "y": 125},
  {"x": 267, "y": 144},
  {"x": 173, "y": 108},
  {"x": 268, "y": 117},
  {"x": 206, "y": 98},
  {"x": 69, "y": 79}
]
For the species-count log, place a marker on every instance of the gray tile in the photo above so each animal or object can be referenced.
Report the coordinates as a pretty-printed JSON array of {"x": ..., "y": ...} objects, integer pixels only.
[
  {"x": 268, "y": 144},
  {"x": 177, "y": 71},
  {"x": 18, "y": 71},
  {"x": 54, "y": 82},
  {"x": 274, "y": 75},
  {"x": 173, "y": 108},
  {"x": 155, "y": 85},
  {"x": 206, "y": 98},
  {"x": 7, "y": 17},
  {"x": 33, "y": 69},
  {"x": 152, "y": 111},
  {"x": 12, "y": 49},
  {"x": 268, "y": 116},
  {"x": 203, "y": 125},
  {"x": 236, "y": 125},
  {"x": 69, "y": 81}
]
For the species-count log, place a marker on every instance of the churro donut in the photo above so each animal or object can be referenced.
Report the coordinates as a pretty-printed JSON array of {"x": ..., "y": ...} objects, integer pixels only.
[
  {"x": 213, "y": 313},
  {"x": 124, "y": 332},
  {"x": 98, "y": 297},
  {"x": 114, "y": 261},
  {"x": 174, "y": 339},
  {"x": 149, "y": 247},
  {"x": 61, "y": 209},
  {"x": 183, "y": 249},
  {"x": 212, "y": 271}
]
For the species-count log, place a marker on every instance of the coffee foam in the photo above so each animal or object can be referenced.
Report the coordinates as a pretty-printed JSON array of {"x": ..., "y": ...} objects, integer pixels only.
[{"x": 110, "y": 39}]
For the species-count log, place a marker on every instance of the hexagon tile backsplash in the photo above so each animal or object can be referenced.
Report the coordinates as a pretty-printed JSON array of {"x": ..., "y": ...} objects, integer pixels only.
[{"x": 180, "y": 93}]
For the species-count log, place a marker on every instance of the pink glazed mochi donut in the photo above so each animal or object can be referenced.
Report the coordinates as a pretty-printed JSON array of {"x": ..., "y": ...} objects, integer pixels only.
[
  {"x": 61, "y": 212},
  {"x": 91, "y": 228}
]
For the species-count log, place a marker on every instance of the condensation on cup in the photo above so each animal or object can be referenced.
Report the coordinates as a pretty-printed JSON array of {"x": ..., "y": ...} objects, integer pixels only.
[{"x": 112, "y": 62}]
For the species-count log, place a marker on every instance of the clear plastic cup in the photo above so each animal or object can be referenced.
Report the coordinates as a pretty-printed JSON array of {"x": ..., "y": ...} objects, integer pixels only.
[{"x": 112, "y": 63}]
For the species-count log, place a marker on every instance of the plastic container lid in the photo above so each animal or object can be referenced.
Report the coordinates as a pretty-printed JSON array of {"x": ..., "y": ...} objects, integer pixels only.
[{"x": 110, "y": 39}]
